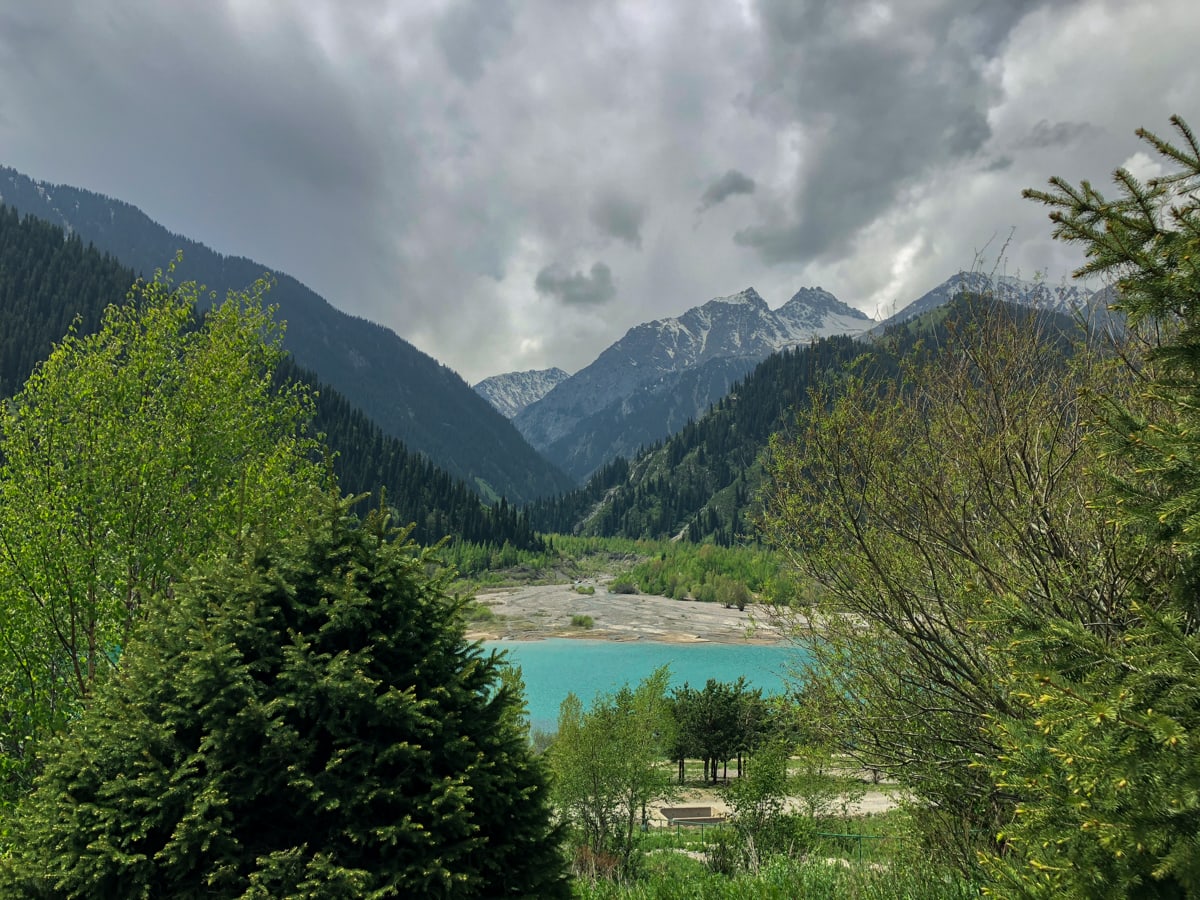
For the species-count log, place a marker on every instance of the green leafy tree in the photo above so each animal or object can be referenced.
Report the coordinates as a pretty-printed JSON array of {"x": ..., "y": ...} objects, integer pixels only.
[
  {"x": 129, "y": 455},
  {"x": 303, "y": 719},
  {"x": 607, "y": 768},
  {"x": 723, "y": 720},
  {"x": 1107, "y": 761},
  {"x": 757, "y": 800},
  {"x": 915, "y": 504}
]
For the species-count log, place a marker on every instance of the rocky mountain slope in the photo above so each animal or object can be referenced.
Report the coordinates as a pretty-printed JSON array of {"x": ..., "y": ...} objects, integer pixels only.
[
  {"x": 663, "y": 373},
  {"x": 1066, "y": 299},
  {"x": 513, "y": 391},
  {"x": 407, "y": 393}
]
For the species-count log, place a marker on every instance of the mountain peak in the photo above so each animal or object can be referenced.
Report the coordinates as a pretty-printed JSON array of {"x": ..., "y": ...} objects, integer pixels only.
[
  {"x": 604, "y": 409},
  {"x": 513, "y": 391},
  {"x": 747, "y": 297}
]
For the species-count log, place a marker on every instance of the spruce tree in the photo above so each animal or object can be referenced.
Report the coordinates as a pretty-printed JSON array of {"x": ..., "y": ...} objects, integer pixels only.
[
  {"x": 1108, "y": 765},
  {"x": 306, "y": 719}
]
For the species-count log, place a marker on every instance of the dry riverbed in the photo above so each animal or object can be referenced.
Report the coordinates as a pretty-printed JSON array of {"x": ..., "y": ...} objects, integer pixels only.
[{"x": 542, "y": 611}]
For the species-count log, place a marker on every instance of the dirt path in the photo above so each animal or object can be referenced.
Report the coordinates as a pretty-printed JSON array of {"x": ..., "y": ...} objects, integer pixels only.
[{"x": 542, "y": 611}]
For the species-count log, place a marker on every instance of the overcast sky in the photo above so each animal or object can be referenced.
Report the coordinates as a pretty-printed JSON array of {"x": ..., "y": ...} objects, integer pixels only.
[{"x": 512, "y": 184}]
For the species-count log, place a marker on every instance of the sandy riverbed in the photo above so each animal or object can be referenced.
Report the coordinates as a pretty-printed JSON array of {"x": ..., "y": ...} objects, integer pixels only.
[{"x": 541, "y": 611}]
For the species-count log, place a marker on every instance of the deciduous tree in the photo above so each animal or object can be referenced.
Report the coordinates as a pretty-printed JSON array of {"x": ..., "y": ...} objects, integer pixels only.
[
  {"x": 129, "y": 455},
  {"x": 607, "y": 765}
]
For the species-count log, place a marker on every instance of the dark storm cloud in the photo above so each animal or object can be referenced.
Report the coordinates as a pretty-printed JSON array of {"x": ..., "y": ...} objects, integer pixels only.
[
  {"x": 471, "y": 32},
  {"x": 732, "y": 182},
  {"x": 577, "y": 289},
  {"x": 244, "y": 138},
  {"x": 619, "y": 216},
  {"x": 1057, "y": 134},
  {"x": 885, "y": 93},
  {"x": 418, "y": 162}
]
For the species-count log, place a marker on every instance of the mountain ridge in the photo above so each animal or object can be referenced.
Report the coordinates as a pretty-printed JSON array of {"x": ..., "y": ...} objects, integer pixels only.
[
  {"x": 722, "y": 339},
  {"x": 409, "y": 394}
]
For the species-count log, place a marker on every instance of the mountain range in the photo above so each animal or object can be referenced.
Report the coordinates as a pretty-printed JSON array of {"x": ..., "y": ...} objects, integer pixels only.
[
  {"x": 702, "y": 483},
  {"x": 50, "y": 283},
  {"x": 408, "y": 394},
  {"x": 662, "y": 374},
  {"x": 658, "y": 380}
]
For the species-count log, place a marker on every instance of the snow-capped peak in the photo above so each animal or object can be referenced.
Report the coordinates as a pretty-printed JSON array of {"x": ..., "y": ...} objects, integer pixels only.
[{"x": 513, "y": 391}]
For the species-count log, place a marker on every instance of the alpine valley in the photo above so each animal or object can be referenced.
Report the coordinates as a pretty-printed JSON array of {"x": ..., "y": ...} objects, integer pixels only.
[{"x": 665, "y": 429}]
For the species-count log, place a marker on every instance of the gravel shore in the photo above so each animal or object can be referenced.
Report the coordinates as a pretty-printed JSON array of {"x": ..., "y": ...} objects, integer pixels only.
[{"x": 543, "y": 611}]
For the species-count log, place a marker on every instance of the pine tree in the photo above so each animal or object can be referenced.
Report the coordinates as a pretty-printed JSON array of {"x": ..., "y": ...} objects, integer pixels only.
[{"x": 305, "y": 720}]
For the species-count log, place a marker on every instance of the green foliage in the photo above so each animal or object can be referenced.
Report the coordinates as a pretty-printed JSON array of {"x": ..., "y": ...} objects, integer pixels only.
[
  {"x": 408, "y": 394},
  {"x": 702, "y": 482},
  {"x": 717, "y": 723},
  {"x": 671, "y": 876},
  {"x": 129, "y": 455},
  {"x": 757, "y": 801},
  {"x": 367, "y": 460},
  {"x": 582, "y": 621},
  {"x": 304, "y": 719},
  {"x": 622, "y": 586},
  {"x": 606, "y": 766},
  {"x": 915, "y": 504},
  {"x": 49, "y": 279},
  {"x": 707, "y": 572},
  {"x": 1105, "y": 761}
]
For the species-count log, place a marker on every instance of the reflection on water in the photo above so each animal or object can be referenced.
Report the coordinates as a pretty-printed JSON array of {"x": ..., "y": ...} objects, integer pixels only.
[{"x": 554, "y": 668}]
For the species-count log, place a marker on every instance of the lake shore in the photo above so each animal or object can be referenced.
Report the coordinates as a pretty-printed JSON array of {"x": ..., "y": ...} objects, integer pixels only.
[{"x": 535, "y": 612}]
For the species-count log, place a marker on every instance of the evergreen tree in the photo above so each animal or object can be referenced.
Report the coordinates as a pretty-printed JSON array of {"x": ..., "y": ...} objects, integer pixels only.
[
  {"x": 305, "y": 720},
  {"x": 1108, "y": 762}
]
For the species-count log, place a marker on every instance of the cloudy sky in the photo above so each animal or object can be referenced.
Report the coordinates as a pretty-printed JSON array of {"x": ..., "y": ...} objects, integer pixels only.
[{"x": 512, "y": 184}]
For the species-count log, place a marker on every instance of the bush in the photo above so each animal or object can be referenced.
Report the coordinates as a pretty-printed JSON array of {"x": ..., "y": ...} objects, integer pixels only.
[
  {"x": 622, "y": 587},
  {"x": 582, "y": 621}
]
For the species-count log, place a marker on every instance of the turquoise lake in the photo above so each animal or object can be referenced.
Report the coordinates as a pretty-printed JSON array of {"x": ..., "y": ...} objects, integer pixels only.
[{"x": 554, "y": 668}]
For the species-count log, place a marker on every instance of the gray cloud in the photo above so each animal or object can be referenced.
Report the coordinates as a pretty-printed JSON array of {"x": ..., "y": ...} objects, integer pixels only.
[
  {"x": 886, "y": 93},
  {"x": 420, "y": 163},
  {"x": 619, "y": 216},
  {"x": 732, "y": 182},
  {"x": 471, "y": 32},
  {"x": 1057, "y": 134},
  {"x": 576, "y": 288}
]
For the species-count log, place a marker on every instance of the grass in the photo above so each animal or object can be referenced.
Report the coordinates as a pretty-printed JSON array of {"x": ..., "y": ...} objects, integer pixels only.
[
  {"x": 582, "y": 621},
  {"x": 667, "y": 875}
]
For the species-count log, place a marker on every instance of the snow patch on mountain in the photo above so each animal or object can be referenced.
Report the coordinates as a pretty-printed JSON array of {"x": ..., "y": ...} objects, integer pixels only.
[
  {"x": 740, "y": 327},
  {"x": 1067, "y": 298},
  {"x": 513, "y": 391}
]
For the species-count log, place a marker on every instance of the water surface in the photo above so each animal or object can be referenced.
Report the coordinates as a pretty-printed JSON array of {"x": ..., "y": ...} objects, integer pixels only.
[{"x": 554, "y": 668}]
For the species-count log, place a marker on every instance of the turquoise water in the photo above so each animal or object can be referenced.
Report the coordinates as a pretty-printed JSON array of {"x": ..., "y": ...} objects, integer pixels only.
[{"x": 554, "y": 668}]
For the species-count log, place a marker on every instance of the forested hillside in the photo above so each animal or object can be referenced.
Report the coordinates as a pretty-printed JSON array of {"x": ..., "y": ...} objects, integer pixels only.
[
  {"x": 703, "y": 482},
  {"x": 47, "y": 279},
  {"x": 407, "y": 393}
]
